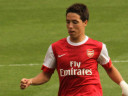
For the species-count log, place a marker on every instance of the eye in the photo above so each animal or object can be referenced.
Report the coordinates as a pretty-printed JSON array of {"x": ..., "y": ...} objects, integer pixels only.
[
  {"x": 75, "y": 22},
  {"x": 67, "y": 21}
]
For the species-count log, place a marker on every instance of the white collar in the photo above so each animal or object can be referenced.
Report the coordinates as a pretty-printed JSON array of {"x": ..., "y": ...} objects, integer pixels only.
[{"x": 77, "y": 44}]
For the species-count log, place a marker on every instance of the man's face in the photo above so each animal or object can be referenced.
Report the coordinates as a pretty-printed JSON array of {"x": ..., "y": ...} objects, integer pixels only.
[{"x": 75, "y": 25}]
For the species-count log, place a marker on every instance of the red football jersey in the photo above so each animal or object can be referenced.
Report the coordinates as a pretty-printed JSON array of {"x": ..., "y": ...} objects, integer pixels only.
[{"x": 77, "y": 66}]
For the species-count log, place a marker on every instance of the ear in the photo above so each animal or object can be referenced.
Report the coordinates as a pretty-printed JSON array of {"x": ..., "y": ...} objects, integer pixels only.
[{"x": 85, "y": 22}]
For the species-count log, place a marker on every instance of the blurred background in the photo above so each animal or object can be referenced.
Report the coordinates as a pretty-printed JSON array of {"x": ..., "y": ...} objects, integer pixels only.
[{"x": 28, "y": 27}]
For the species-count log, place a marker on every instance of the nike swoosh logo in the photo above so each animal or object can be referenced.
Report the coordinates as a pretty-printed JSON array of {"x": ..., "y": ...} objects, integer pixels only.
[{"x": 61, "y": 55}]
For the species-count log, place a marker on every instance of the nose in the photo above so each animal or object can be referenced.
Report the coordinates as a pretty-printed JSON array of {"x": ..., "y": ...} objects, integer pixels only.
[{"x": 70, "y": 25}]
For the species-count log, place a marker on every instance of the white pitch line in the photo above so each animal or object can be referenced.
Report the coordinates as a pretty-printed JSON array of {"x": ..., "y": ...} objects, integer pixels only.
[
  {"x": 2, "y": 65},
  {"x": 20, "y": 65},
  {"x": 23, "y": 64},
  {"x": 116, "y": 61}
]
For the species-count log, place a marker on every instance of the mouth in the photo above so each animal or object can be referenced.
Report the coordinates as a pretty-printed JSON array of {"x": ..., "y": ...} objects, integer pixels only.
[{"x": 71, "y": 32}]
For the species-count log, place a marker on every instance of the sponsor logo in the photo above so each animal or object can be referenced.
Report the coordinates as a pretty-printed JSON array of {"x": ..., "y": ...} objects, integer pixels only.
[
  {"x": 75, "y": 70},
  {"x": 90, "y": 53}
]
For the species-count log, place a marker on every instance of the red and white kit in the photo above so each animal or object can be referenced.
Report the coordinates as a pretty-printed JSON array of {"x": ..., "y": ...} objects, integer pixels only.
[{"x": 77, "y": 66}]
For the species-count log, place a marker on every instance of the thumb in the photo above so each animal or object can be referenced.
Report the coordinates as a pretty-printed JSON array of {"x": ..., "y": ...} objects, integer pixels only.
[{"x": 29, "y": 82}]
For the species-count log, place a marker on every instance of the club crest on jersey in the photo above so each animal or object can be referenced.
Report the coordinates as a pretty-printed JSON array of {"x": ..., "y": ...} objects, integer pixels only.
[{"x": 90, "y": 53}]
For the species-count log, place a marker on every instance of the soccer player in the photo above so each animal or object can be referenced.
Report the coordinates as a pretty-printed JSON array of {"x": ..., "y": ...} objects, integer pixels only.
[{"x": 76, "y": 60}]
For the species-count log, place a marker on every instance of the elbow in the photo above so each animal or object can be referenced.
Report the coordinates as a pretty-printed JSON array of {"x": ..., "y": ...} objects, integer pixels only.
[
  {"x": 46, "y": 80},
  {"x": 109, "y": 70},
  {"x": 46, "y": 77}
]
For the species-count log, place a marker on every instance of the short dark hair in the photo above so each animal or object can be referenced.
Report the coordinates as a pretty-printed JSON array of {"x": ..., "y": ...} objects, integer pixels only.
[{"x": 79, "y": 9}]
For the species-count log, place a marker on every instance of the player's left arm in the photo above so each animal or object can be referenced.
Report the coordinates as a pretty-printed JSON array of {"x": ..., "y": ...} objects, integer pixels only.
[{"x": 115, "y": 75}]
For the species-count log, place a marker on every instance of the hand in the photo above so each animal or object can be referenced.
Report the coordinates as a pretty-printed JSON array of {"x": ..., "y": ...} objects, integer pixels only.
[
  {"x": 125, "y": 91},
  {"x": 25, "y": 83},
  {"x": 124, "y": 95},
  {"x": 124, "y": 87}
]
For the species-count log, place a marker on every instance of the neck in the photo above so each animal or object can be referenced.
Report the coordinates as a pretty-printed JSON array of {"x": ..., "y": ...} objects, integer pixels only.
[{"x": 77, "y": 39}]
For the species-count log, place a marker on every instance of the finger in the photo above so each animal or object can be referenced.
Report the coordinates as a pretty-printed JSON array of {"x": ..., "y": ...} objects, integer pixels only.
[
  {"x": 24, "y": 80},
  {"x": 23, "y": 86}
]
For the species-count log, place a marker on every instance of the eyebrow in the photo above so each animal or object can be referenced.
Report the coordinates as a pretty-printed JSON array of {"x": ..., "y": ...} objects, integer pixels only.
[{"x": 71, "y": 20}]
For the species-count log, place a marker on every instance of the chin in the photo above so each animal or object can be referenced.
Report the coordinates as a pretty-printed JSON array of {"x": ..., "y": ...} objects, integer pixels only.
[{"x": 73, "y": 36}]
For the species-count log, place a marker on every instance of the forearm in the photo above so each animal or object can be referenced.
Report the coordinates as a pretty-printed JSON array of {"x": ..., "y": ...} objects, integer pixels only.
[
  {"x": 41, "y": 78},
  {"x": 117, "y": 78},
  {"x": 114, "y": 75}
]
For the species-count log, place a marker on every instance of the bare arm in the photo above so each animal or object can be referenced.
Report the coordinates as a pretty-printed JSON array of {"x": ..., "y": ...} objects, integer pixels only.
[
  {"x": 114, "y": 74},
  {"x": 41, "y": 78},
  {"x": 117, "y": 78}
]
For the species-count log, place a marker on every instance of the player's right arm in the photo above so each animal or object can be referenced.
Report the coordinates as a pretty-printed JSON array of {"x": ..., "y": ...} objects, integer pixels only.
[{"x": 41, "y": 78}]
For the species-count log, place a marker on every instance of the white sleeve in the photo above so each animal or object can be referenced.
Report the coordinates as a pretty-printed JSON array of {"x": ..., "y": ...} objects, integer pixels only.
[
  {"x": 103, "y": 57},
  {"x": 50, "y": 60}
]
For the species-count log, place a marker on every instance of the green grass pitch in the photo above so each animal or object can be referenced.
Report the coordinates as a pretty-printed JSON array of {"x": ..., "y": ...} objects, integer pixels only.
[{"x": 28, "y": 27}]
